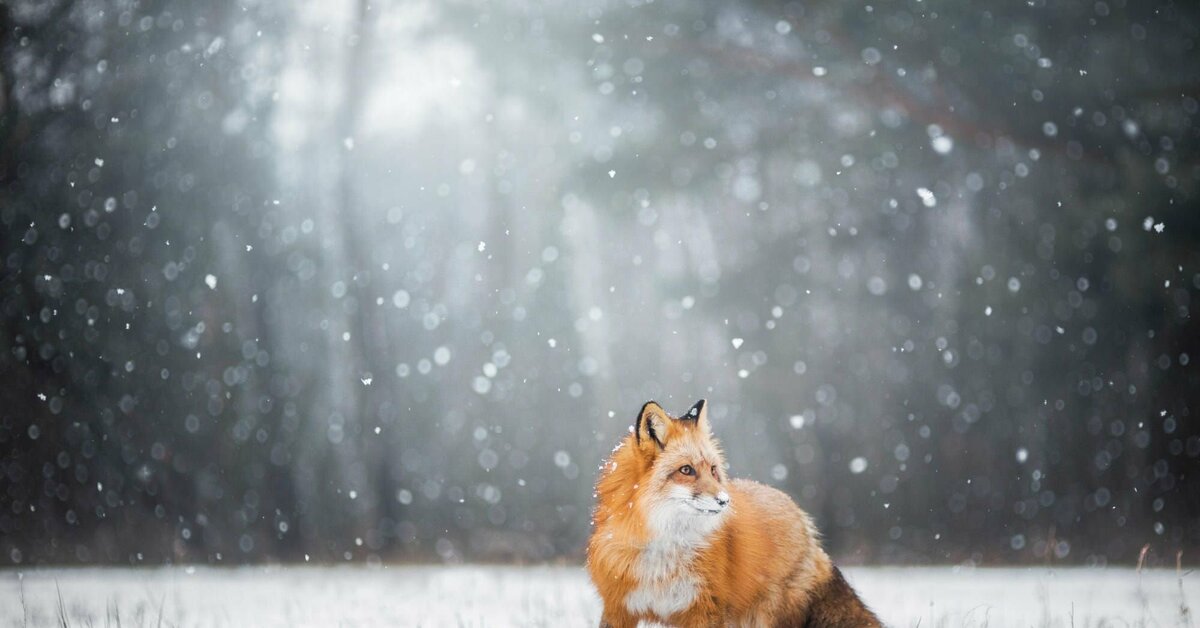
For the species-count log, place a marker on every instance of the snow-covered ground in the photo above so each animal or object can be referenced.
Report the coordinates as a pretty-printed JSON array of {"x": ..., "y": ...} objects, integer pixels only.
[{"x": 557, "y": 596}]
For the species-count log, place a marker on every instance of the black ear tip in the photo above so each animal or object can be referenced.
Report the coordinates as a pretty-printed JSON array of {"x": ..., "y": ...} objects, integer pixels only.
[{"x": 694, "y": 413}]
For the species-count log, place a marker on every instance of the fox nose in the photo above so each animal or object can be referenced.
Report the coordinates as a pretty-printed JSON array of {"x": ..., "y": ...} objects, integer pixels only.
[{"x": 723, "y": 498}]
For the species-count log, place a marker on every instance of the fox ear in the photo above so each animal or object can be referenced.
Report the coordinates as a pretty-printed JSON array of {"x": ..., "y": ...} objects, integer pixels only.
[
  {"x": 652, "y": 423},
  {"x": 699, "y": 414}
]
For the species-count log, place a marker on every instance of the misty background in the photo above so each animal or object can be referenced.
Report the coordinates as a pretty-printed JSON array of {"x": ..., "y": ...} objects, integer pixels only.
[{"x": 386, "y": 280}]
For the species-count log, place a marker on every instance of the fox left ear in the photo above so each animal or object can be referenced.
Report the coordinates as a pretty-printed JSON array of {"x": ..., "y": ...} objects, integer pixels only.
[
  {"x": 699, "y": 414},
  {"x": 652, "y": 422}
]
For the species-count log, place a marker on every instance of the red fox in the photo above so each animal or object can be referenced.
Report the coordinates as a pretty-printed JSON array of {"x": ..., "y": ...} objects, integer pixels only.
[{"x": 676, "y": 541}]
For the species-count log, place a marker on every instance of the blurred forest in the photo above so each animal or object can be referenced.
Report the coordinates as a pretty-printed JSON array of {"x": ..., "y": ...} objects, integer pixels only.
[{"x": 386, "y": 280}]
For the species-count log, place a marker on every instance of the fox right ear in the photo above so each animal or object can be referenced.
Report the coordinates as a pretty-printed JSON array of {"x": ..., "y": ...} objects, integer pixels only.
[{"x": 652, "y": 424}]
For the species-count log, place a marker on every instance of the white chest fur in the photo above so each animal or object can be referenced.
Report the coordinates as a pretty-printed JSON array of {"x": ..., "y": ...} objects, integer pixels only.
[
  {"x": 666, "y": 582},
  {"x": 665, "y": 570}
]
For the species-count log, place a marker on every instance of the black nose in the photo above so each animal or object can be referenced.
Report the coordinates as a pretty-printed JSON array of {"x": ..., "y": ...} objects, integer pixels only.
[{"x": 723, "y": 502}]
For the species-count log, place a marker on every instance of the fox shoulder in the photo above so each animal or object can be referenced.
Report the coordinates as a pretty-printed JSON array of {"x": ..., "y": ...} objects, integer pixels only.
[{"x": 785, "y": 548}]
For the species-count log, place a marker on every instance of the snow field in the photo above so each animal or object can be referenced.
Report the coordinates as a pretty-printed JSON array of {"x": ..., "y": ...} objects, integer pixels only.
[{"x": 477, "y": 596}]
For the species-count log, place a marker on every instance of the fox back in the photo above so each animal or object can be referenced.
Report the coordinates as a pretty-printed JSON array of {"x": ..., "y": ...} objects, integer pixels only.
[{"x": 676, "y": 541}]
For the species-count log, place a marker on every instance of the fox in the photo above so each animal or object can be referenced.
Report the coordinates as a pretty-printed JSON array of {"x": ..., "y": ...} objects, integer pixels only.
[{"x": 676, "y": 541}]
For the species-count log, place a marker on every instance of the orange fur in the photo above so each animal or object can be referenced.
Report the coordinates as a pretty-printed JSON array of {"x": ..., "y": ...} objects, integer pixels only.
[{"x": 699, "y": 549}]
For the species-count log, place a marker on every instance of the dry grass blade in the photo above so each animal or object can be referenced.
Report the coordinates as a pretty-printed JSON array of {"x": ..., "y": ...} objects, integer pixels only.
[
  {"x": 24, "y": 608},
  {"x": 62, "y": 608},
  {"x": 1140, "y": 593},
  {"x": 1185, "y": 612},
  {"x": 162, "y": 602}
]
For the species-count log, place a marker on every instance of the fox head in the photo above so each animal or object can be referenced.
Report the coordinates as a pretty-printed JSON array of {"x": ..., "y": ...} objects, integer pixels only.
[{"x": 686, "y": 476}]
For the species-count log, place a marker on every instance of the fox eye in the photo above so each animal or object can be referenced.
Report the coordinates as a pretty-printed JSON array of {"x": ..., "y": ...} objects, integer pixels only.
[
  {"x": 714, "y": 471},
  {"x": 687, "y": 470}
]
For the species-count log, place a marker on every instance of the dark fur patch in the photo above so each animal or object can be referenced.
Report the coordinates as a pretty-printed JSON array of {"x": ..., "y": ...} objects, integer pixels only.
[{"x": 834, "y": 604}]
